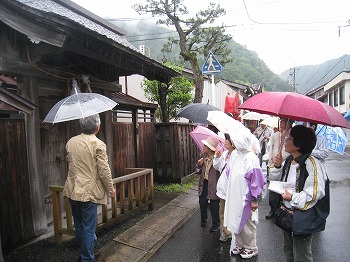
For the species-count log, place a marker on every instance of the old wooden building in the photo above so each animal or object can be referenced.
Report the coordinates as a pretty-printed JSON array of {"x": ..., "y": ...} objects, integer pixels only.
[{"x": 44, "y": 44}]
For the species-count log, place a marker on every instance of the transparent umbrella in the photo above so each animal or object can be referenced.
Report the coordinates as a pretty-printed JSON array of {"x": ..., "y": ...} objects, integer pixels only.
[
  {"x": 79, "y": 105},
  {"x": 335, "y": 136}
]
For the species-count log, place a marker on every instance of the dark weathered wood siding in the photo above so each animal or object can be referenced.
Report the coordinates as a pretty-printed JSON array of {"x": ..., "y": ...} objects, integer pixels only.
[
  {"x": 123, "y": 148},
  {"x": 15, "y": 201},
  {"x": 177, "y": 153},
  {"x": 146, "y": 150}
]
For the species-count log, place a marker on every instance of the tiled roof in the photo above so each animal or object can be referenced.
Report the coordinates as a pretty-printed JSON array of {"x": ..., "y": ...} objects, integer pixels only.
[{"x": 50, "y": 6}]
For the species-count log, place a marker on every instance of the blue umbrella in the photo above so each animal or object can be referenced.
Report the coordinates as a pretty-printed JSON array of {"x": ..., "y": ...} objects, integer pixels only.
[
  {"x": 336, "y": 138},
  {"x": 347, "y": 115}
]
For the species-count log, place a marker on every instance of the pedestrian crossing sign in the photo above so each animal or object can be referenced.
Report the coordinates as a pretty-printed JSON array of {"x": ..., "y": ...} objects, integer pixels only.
[{"x": 211, "y": 65}]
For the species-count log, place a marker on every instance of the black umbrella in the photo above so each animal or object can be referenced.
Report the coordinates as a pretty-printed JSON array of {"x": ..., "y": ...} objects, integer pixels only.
[{"x": 197, "y": 112}]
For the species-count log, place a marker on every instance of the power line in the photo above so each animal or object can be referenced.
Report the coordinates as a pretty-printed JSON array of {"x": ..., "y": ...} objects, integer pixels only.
[
  {"x": 327, "y": 73},
  {"x": 281, "y": 23}
]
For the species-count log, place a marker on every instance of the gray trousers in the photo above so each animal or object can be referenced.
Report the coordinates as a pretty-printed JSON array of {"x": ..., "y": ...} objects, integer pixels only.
[{"x": 297, "y": 248}]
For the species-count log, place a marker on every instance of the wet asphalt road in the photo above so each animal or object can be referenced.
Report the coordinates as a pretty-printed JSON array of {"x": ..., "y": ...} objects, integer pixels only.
[{"x": 193, "y": 243}]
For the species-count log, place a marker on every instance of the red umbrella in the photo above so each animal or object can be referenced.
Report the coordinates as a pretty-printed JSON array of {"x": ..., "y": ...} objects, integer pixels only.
[
  {"x": 201, "y": 133},
  {"x": 296, "y": 107}
]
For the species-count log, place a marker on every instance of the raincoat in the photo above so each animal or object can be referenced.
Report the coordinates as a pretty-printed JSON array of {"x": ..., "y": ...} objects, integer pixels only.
[
  {"x": 246, "y": 180},
  {"x": 224, "y": 167}
]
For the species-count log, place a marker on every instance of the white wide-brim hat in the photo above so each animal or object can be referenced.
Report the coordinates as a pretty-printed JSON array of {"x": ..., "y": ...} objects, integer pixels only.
[{"x": 211, "y": 143}]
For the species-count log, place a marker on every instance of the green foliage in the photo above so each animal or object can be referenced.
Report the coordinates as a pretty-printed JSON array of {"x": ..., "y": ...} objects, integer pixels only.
[
  {"x": 177, "y": 94},
  {"x": 177, "y": 188}
]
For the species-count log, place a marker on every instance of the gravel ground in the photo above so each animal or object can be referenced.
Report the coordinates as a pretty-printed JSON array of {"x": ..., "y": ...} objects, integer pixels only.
[{"x": 47, "y": 251}]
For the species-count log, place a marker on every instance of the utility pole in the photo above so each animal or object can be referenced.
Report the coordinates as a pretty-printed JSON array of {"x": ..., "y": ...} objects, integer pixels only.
[{"x": 292, "y": 73}]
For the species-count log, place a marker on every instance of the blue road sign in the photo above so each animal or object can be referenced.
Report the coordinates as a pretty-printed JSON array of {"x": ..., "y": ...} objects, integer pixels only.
[{"x": 211, "y": 65}]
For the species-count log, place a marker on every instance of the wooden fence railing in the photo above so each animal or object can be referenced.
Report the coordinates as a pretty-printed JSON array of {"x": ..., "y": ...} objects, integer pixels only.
[{"x": 134, "y": 191}]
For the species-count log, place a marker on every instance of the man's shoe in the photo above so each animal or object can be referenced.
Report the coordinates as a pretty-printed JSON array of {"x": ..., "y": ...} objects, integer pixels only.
[
  {"x": 247, "y": 253},
  {"x": 214, "y": 229},
  {"x": 204, "y": 223},
  {"x": 223, "y": 238},
  {"x": 270, "y": 215},
  {"x": 97, "y": 254}
]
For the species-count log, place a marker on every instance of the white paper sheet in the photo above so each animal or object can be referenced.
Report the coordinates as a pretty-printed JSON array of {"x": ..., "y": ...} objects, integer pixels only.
[{"x": 279, "y": 187}]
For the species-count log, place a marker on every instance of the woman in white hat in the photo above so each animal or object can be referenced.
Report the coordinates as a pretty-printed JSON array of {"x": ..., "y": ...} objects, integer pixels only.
[{"x": 207, "y": 184}]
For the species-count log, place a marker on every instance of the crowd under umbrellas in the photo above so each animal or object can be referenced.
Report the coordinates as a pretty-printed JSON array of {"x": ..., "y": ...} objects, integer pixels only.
[
  {"x": 270, "y": 106},
  {"x": 290, "y": 106}
]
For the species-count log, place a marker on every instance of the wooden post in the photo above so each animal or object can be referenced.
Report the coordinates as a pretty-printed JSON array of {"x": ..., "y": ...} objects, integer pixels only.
[
  {"x": 28, "y": 89},
  {"x": 151, "y": 191},
  {"x": 69, "y": 213},
  {"x": 57, "y": 216},
  {"x": 1, "y": 256}
]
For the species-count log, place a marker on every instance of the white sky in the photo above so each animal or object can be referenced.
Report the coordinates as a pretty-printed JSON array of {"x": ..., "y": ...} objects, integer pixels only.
[{"x": 284, "y": 33}]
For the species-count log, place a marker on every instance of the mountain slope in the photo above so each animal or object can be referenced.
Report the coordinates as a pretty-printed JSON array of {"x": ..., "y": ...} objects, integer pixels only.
[
  {"x": 312, "y": 76},
  {"x": 245, "y": 68}
]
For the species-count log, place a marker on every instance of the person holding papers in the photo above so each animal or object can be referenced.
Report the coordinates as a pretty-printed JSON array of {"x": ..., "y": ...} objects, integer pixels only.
[{"x": 308, "y": 176}]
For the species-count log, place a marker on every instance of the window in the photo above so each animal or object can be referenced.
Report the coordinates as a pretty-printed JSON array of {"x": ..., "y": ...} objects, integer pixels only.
[
  {"x": 336, "y": 97},
  {"x": 330, "y": 99},
  {"x": 342, "y": 95}
]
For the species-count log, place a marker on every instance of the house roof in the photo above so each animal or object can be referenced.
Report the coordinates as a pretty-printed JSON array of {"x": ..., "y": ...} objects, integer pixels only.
[
  {"x": 128, "y": 102},
  {"x": 67, "y": 40},
  {"x": 10, "y": 100},
  {"x": 234, "y": 85}
]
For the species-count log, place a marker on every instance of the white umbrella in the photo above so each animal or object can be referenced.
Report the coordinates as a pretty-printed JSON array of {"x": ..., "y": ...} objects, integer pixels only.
[
  {"x": 254, "y": 116},
  {"x": 224, "y": 122},
  {"x": 79, "y": 105},
  {"x": 271, "y": 121},
  {"x": 227, "y": 124}
]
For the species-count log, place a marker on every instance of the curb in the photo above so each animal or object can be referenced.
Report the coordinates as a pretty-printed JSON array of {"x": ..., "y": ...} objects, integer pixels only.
[{"x": 141, "y": 241}]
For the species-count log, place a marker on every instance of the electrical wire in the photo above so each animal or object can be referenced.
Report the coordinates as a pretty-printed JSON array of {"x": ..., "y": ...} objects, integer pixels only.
[
  {"x": 326, "y": 73},
  {"x": 281, "y": 23}
]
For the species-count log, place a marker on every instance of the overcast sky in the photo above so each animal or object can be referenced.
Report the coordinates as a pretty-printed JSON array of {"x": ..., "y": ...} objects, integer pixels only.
[{"x": 284, "y": 33}]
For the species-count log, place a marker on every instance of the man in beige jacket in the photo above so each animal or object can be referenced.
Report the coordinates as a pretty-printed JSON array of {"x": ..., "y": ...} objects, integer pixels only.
[{"x": 88, "y": 182}]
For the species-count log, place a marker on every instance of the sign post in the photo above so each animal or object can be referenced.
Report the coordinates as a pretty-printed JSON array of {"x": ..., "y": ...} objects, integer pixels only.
[{"x": 212, "y": 67}]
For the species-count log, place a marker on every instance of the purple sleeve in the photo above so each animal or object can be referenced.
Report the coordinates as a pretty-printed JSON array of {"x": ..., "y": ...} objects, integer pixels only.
[{"x": 256, "y": 181}]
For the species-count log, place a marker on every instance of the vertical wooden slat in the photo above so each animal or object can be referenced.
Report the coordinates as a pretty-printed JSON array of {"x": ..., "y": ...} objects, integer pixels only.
[
  {"x": 57, "y": 216},
  {"x": 114, "y": 204},
  {"x": 122, "y": 197},
  {"x": 131, "y": 194},
  {"x": 69, "y": 213},
  {"x": 137, "y": 191},
  {"x": 151, "y": 191},
  {"x": 104, "y": 213},
  {"x": 143, "y": 188}
]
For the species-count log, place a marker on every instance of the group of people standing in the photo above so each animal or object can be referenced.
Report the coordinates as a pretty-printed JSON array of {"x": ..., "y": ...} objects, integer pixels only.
[{"x": 233, "y": 180}]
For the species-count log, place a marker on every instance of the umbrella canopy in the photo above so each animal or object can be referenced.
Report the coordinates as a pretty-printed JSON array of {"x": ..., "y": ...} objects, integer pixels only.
[
  {"x": 271, "y": 122},
  {"x": 296, "y": 107},
  {"x": 254, "y": 116},
  {"x": 197, "y": 112},
  {"x": 347, "y": 115},
  {"x": 223, "y": 122},
  {"x": 335, "y": 136},
  {"x": 202, "y": 133},
  {"x": 227, "y": 124},
  {"x": 78, "y": 106}
]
